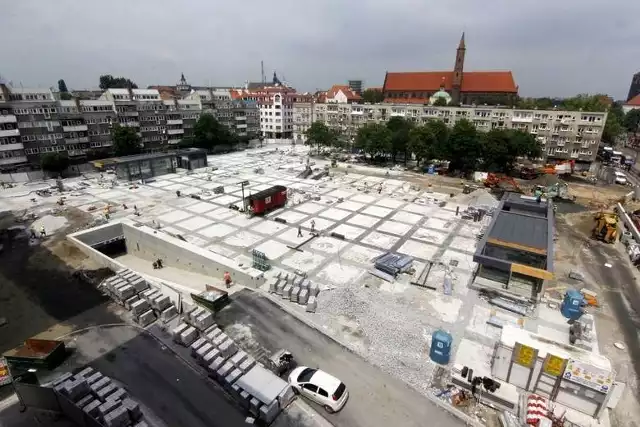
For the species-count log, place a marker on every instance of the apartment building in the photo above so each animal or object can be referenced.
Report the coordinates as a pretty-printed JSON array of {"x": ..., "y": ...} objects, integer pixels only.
[
  {"x": 303, "y": 116},
  {"x": 563, "y": 134}
]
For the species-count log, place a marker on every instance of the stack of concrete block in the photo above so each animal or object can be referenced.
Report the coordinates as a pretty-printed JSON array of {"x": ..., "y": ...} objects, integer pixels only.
[
  {"x": 247, "y": 364},
  {"x": 128, "y": 303},
  {"x": 210, "y": 357},
  {"x": 254, "y": 406},
  {"x": 268, "y": 413},
  {"x": 203, "y": 350},
  {"x": 95, "y": 377},
  {"x": 104, "y": 393},
  {"x": 228, "y": 348},
  {"x": 150, "y": 294},
  {"x": 219, "y": 339},
  {"x": 294, "y": 293},
  {"x": 139, "y": 284},
  {"x": 169, "y": 313},
  {"x": 204, "y": 320},
  {"x": 146, "y": 318},
  {"x": 286, "y": 292},
  {"x": 139, "y": 307},
  {"x": 196, "y": 345},
  {"x": 314, "y": 289},
  {"x": 124, "y": 292},
  {"x": 224, "y": 370},
  {"x": 108, "y": 406},
  {"x": 303, "y": 297},
  {"x": 118, "y": 394},
  {"x": 100, "y": 384},
  {"x": 212, "y": 333},
  {"x": 86, "y": 372},
  {"x": 188, "y": 336},
  {"x": 238, "y": 358},
  {"x": 193, "y": 315},
  {"x": 177, "y": 332},
  {"x": 85, "y": 401},
  {"x": 245, "y": 398},
  {"x": 76, "y": 388},
  {"x": 118, "y": 417},
  {"x": 133, "y": 409},
  {"x": 93, "y": 408},
  {"x": 160, "y": 302},
  {"x": 280, "y": 287},
  {"x": 232, "y": 377},
  {"x": 215, "y": 365},
  {"x": 312, "y": 305}
]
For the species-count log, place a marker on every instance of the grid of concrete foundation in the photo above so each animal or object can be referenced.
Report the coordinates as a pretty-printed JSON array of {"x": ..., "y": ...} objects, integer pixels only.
[{"x": 390, "y": 324}]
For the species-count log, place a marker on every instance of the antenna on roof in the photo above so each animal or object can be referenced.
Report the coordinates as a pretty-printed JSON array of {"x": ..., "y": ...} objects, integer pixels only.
[{"x": 262, "y": 72}]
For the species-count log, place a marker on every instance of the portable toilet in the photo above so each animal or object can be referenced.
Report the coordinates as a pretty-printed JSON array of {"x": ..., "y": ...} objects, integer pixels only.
[
  {"x": 573, "y": 305},
  {"x": 441, "y": 347}
]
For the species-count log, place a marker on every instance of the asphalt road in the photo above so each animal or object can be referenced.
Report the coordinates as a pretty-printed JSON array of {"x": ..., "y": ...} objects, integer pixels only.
[
  {"x": 154, "y": 376},
  {"x": 376, "y": 398}
]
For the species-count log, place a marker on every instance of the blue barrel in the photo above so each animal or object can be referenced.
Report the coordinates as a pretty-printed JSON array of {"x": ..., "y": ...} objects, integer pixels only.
[
  {"x": 441, "y": 347},
  {"x": 572, "y": 305}
]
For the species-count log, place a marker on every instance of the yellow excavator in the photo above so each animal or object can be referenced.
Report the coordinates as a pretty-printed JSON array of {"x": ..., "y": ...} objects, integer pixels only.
[{"x": 606, "y": 226}]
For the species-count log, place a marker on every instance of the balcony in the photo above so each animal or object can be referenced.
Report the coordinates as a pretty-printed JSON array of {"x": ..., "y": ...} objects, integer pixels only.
[
  {"x": 128, "y": 113},
  {"x": 8, "y": 118},
  {"x": 13, "y": 160},
  {"x": 173, "y": 141},
  {"x": 73, "y": 153},
  {"x": 175, "y": 131},
  {"x": 75, "y": 128},
  {"x": 241, "y": 126},
  {"x": 9, "y": 132},
  {"x": 79, "y": 140},
  {"x": 574, "y": 155},
  {"x": 16, "y": 146},
  {"x": 240, "y": 118},
  {"x": 131, "y": 124},
  {"x": 174, "y": 122},
  {"x": 522, "y": 119}
]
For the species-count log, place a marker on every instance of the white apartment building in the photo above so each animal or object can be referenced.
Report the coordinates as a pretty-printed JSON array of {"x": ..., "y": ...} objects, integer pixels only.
[{"x": 563, "y": 134}]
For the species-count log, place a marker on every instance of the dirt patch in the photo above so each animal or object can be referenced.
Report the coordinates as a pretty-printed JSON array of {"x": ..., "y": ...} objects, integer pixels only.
[{"x": 41, "y": 292}]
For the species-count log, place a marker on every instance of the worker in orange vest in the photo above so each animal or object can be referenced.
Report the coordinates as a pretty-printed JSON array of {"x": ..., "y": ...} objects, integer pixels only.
[{"x": 227, "y": 279}]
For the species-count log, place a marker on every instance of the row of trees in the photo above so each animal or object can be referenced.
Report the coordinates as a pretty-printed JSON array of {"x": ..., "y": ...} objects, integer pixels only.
[{"x": 463, "y": 146}]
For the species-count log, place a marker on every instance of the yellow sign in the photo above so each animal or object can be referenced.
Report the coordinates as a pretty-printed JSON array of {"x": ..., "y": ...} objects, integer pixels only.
[
  {"x": 524, "y": 355},
  {"x": 553, "y": 365}
]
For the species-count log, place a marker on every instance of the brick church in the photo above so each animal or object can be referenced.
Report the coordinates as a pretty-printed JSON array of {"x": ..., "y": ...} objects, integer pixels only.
[{"x": 457, "y": 86}]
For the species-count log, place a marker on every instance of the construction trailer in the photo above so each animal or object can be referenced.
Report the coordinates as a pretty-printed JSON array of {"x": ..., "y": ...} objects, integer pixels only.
[{"x": 267, "y": 200}]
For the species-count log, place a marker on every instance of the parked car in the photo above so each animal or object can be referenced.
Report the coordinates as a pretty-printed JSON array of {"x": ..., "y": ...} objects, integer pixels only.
[
  {"x": 320, "y": 387},
  {"x": 620, "y": 178}
]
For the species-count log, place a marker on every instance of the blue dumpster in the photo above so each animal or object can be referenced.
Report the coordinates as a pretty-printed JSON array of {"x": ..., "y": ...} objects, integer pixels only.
[{"x": 441, "y": 347}]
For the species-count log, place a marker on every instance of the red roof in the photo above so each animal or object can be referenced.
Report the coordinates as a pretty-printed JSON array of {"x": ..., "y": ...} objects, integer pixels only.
[
  {"x": 351, "y": 95},
  {"x": 635, "y": 101},
  {"x": 472, "y": 81}
]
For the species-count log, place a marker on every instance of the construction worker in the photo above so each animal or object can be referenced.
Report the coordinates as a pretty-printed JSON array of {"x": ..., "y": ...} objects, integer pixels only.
[
  {"x": 299, "y": 231},
  {"x": 227, "y": 279},
  {"x": 43, "y": 232},
  {"x": 313, "y": 225},
  {"x": 33, "y": 233}
]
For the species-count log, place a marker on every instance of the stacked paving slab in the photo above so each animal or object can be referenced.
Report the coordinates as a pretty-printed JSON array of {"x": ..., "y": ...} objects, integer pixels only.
[
  {"x": 296, "y": 289},
  {"x": 145, "y": 302},
  {"x": 100, "y": 398},
  {"x": 226, "y": 363}
]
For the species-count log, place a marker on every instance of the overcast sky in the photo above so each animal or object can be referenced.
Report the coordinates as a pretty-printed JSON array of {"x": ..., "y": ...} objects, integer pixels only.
[{"x": 553, "y": 47}]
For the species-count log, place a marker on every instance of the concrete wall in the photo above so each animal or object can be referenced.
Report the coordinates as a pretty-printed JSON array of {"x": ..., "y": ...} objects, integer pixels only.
[
  {"x": 99, "y": 234},
  {"x": 147, "y": 243}
]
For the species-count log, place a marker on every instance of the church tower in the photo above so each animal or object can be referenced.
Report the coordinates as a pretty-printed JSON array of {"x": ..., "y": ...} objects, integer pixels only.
[{"x": 458, "y": 71}]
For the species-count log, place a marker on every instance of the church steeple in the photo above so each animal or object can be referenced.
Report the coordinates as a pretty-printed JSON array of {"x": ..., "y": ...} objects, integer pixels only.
[{"x": 458, "y": 70}]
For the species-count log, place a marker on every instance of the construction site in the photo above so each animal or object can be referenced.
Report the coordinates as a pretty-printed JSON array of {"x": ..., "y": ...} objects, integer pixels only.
[{"x": 499, "y": 302}]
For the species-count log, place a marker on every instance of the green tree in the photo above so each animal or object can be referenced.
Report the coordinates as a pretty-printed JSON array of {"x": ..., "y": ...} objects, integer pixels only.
[
  {"x": 614, "y": 126},
  {"x": 374, "y": 139},
  {"x": 441, "y": 132},
  {"x": 107, "y": 81},
  {"x": 400, "y": 128},
  {"x": 209, "y": 133},
  {"x": 501, "y": 148},
  {"x": 373, "y": 96},
  {"x": 320, "y": 135},
  {"x": 422, "y": 142},
  {"x": 440, "y": 102},
  {"x": 54, "y": 163},
  {"x": 464, "y": 147},
  {"x": 62, "y": 86},
  {"x": 125, "y": 141},
  {"x": 632, "y": 121}
]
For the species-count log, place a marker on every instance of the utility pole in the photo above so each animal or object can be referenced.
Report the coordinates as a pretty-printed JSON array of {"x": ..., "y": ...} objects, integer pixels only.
[{"x": 262, "y": 71}]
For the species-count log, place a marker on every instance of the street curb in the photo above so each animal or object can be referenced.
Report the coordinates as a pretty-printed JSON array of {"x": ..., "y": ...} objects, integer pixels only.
[{"x": 280, "y": 302}]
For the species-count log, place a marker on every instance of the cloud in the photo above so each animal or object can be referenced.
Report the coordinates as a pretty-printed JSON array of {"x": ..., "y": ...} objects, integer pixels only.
[{"x": 556, "y": 48}]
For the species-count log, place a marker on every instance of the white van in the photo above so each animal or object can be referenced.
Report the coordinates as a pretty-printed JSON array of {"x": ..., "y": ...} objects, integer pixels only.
[{"x": 620, "y": 178}]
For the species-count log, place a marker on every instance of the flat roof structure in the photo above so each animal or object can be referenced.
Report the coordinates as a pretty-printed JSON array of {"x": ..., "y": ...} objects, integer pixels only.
[{"x": 519, "y": 240}]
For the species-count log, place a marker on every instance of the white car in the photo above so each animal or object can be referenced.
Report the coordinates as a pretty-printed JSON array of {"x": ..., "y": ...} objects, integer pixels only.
[
  {"x": 320, "y": 387},
  {"x": 620, "y": 178}
]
